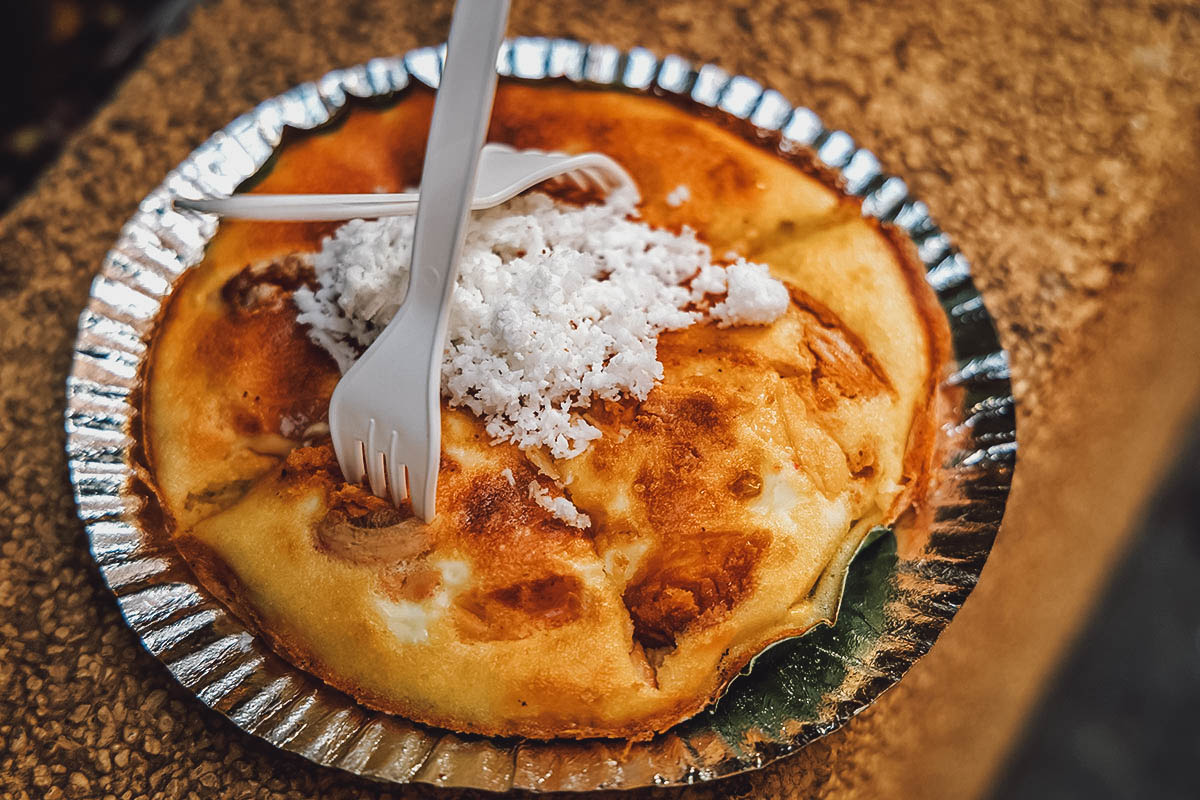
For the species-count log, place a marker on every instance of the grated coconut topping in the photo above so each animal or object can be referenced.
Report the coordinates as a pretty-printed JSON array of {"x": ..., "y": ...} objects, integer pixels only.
[
  {"x": 679, "y": 195},
  {"x": 559, "y": 507},
  {"x": 556, "y": 305}
]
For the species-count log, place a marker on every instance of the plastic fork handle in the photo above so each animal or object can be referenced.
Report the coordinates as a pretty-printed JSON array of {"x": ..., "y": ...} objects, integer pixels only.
[
  {"x": 304, "y": 207},
  {"x": 461, "y": 112}
]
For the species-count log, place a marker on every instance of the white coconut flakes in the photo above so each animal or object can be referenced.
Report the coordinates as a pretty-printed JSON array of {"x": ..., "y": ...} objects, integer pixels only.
[
  {"x": 678, "y": 196},
  {"x": 556, "y": 306},
  {"x": 560, "y": 507}
]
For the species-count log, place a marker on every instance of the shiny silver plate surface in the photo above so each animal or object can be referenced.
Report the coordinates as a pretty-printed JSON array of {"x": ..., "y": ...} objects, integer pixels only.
[{"x": 894, "y": 607}]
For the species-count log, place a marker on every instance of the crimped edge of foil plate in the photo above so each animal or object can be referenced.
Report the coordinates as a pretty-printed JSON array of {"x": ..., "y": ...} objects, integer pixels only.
[{"x": 211, "y": 653}]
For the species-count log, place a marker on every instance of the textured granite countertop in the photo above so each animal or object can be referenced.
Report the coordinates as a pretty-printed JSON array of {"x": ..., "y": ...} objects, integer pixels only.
[{"x": 1056, "y": 143}]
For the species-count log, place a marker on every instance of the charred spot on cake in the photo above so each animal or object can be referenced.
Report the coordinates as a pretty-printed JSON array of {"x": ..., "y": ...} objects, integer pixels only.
[
  {"x": 268, "y": 285},
  {"x": 490, "y": 505},
  {"x": 520, "y": 609},
  {"x": 864, "y": 473},
  {"x": 861, "y": 462},
  {"x": 553, "y": 598},
  {"x": 679, "y": 429},
  {"x": 746, "y": 484},
  {"x": 496, "y": 506},
  {"x": 670, "y": 492},
  {"x": 685, "y": 415},
  {"x": 692, "y": 579},
  {"x": 699, "y": 410}
]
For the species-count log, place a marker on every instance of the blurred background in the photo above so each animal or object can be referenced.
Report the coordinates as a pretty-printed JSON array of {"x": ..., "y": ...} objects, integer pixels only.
[{"x": 1122, "y": 717}]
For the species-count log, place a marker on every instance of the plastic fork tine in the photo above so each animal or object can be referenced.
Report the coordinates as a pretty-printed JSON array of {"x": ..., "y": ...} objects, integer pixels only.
[
  {"x": 590, "y": 178},
  {"x": 580, "y": 179},
  {"x": 598, "y": 178},
  {"x": 376, "y": 465},
  {"x": 377, "y": 474},
  {"x": 353, "y": 459},
  {"x": 397, "y": 472}
]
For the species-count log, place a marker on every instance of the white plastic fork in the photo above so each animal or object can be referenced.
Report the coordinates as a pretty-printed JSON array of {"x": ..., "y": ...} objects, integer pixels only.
[
  {"x": 504, "y": 172},
  {"x": 385, "y": 414}
]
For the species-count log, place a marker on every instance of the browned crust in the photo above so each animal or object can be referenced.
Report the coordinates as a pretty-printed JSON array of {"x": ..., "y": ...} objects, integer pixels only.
[
  {"x": 224, "y": 584},
  {"x": 922, "y": 438},
  {"x": 142, "y": 452}
]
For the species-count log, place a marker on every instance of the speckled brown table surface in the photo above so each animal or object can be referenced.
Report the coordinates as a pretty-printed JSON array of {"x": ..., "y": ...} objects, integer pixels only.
[{"x": 1056, "y": 143}]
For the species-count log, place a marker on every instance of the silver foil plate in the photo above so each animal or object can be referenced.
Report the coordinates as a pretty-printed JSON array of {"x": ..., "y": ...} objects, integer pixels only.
[{"x": 894, "y": 608}]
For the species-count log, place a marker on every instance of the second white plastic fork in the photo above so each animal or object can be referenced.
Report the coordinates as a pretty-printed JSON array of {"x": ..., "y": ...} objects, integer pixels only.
[{"x": 504, "y": 172}]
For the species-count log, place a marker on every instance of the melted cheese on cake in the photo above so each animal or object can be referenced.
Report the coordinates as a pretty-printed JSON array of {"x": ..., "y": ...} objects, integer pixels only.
[{"x": 724, "y": 507}]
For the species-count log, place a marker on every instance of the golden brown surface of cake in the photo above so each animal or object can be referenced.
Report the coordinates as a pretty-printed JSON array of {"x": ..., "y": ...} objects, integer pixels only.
[{"x": 724, "y": 507}]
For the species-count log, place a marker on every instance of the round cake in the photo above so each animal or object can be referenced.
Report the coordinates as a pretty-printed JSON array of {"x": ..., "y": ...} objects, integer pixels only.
[{"x": 607, "y": 589}]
